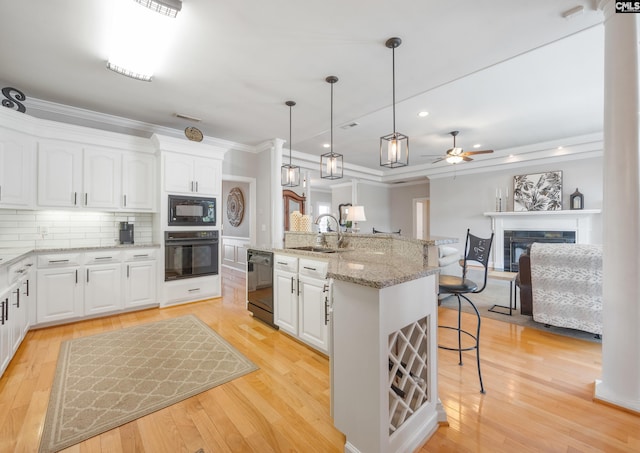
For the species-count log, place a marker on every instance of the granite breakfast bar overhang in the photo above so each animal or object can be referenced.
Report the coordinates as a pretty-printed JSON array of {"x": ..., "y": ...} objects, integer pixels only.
[{"x": 384, "y": 371}]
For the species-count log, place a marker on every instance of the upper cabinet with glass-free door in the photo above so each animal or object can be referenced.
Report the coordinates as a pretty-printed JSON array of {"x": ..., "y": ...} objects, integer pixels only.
[{"x": 17, "y": 170}]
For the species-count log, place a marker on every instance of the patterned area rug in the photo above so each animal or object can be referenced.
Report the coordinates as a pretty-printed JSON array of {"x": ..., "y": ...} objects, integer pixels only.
[
  {"x": 106, "y": 380},
  {"x": 497, "y": 292}
]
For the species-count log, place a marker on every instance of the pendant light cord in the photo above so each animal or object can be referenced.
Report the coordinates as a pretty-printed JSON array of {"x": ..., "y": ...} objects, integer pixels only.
[
  {"x": 393, "y": 79},
  {"x": 331, "y": 141},
  {"x": 290, "y": 107}
]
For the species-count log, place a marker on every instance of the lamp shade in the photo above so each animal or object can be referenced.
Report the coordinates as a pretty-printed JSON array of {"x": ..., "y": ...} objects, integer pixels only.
[{"x": 356, "y": 214}]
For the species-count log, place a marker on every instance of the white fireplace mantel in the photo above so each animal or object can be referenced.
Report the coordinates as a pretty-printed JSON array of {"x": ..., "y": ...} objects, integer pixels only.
[{"x": 578, "y": 221}]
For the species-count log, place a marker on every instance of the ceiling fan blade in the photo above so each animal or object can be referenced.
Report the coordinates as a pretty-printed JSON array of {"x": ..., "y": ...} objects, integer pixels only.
[
  {"x": 439, "y": 160},
  {"x": 466, "y": 159},
  {"x": 482, "y": 151}
]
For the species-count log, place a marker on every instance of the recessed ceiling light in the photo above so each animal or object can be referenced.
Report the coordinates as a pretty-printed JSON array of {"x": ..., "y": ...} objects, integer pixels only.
[
  {"x": 423, "y": 114},
  {"x": 326, "y": 145},
  {"x": 477, "y": 145},
  {"x": 560, "y": 147}
]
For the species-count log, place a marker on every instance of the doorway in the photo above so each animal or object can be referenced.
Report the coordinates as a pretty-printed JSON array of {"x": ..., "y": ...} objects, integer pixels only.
[{"x": 421, "y": 218}]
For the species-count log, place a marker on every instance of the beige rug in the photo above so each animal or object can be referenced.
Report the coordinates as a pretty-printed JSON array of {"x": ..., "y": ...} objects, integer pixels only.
[{"x": 106, "y": 380}]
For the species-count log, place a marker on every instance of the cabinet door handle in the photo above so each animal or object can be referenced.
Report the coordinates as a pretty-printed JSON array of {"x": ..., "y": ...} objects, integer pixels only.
[
  {"x": 191, "y": 186},
  {"x": 2, "y": 316},
  {"x": 76, "y": 276},
  {"x": 104, "y": 258},
  {"x": 194, "y": 289},
  {"x": 298, "y": 287},
  {"x": 75, "y": 198},
  {"x": 86, "y": 196},
  {"x": 141, "y": 256},
  {"x": 196, "y": 186},
  {"x": 6, "y": 309},
  {"x": 58, "y": 261},
  {"x": 27, "y": 283},
  {"x": 284, "y": 264},
  {"x": 127, "y": 271},
  {"x": 326, "y": 310},
  {"x": 310, "y": 268},
  {"x": 87, "y": 275},
  {"x": 291, "y": 285},
  {"x": 125, "y": 201},
  {"x": 17, "y": 304}
]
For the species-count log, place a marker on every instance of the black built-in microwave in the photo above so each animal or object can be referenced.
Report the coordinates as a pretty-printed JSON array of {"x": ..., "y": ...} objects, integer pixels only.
[{"x": 192, "y": 211}]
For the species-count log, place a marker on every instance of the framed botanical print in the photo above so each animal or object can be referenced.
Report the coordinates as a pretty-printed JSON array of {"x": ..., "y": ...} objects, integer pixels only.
[{"x": 538, "y": 192}]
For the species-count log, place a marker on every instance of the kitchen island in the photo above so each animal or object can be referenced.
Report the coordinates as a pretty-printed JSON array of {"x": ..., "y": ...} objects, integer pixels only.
[{"x": 384, "y": 373}]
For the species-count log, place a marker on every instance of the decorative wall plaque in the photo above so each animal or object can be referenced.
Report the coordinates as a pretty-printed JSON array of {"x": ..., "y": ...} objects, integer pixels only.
[{"x": 235, "y": 206}]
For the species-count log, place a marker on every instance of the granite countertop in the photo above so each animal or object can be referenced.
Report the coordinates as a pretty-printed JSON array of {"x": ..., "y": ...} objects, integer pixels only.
[
  {"x": 12, "y": 255},
  {"x": 375, "y": 269}
]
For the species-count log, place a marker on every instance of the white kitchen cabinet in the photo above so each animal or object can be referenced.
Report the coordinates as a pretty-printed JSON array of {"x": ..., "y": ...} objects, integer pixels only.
[
  {"x": 102, "y": 291},
  {"x": 20, "y": 275},
  {"x": 313, "y": 303},
  {"x": 60, "y": 294},
  {"x": 71, "y": 175},
  {"x": 285, "y": 293},
  {"x": 59, "y": 174},
  {"x": 139, "y": 182},
  {"x": 140, "y": 278},
  {"x": 5, "y": 328},
  {"x": 17, "y": 170},
  {"x": 312, "y": 306},
  {"x": 300, "y": 299},
  {"x": 191, "y": 174},
  {"x": 102, "y": 173}
]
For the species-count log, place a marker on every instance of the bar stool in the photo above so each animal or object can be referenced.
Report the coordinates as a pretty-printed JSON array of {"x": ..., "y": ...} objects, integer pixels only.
[{"x": 478, "y": 250}]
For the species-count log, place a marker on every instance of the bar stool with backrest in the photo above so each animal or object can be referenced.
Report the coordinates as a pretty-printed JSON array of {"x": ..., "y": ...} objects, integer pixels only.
[{"x": 478, "y": 250}]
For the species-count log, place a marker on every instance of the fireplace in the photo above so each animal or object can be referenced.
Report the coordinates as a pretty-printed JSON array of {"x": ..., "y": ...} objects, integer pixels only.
[
  {"x": 517, "y": 242},
  {"x": 580, "y": 222}
]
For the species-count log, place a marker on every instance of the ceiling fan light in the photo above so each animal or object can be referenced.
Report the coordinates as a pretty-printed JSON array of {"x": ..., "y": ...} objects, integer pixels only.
[
  {"x": 394, "y": 150},
  {"x": 454, "y": 159}
]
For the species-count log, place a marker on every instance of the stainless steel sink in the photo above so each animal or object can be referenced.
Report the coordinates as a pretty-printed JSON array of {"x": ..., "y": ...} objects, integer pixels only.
[{"x": 311, "y": 248}]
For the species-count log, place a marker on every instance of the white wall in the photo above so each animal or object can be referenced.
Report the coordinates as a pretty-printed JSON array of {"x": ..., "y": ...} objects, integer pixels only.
[
  {"x": 458, "y": 203},
  {"x": 401, "y": 205},
  {"x": 377, "y": 207}
]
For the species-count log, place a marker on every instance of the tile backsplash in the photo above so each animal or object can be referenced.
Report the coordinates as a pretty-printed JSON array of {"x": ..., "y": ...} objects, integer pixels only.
[{"x": 60, "y": 229}]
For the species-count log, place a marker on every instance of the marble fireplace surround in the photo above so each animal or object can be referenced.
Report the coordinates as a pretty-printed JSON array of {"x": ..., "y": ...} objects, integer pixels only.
[{"x": 578, "y": 221}]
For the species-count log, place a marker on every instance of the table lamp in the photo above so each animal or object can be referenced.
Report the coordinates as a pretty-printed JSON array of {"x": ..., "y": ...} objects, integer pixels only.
[{"x": 355, "y": 215}]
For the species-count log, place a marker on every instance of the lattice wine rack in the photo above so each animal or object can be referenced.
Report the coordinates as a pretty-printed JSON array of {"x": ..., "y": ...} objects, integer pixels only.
[{"x": 408, "y": 372}]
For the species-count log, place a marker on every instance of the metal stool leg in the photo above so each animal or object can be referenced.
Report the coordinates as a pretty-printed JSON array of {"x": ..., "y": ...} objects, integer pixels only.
[{"x": 475, "y": 337}]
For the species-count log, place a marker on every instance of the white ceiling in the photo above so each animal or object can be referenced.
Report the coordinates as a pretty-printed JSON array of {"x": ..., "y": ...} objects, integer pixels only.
[{"x": 504, "y": 73}]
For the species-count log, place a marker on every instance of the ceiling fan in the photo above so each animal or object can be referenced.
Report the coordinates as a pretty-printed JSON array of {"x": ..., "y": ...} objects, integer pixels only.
[{"x": 456, "y": 155}]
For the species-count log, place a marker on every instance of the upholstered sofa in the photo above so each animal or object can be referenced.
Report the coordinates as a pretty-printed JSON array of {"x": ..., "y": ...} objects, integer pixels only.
[{"x": 561, "y": 285}]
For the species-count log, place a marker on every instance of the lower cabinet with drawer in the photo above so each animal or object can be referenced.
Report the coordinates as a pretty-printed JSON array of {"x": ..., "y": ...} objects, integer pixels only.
[
  {"x": 71, "y": 286},
  {"x": 301, "y": 299}
]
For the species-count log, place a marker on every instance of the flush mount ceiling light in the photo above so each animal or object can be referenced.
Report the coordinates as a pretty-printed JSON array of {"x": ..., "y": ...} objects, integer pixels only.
[
  {"x": 331, "y": 163},
  {"x": 394, "y": 148},
  {"x": 140, "y": 32},
  {"x": 290, "y": 174}
]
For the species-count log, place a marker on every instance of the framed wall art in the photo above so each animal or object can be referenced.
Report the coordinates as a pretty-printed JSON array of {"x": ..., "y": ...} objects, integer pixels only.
[{"x": 538, "y": 192}]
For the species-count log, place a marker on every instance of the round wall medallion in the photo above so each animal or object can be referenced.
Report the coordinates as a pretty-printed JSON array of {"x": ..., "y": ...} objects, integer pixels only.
[
  {"x": 235, "y": 206},
  {"x": 193, "y": 134}
]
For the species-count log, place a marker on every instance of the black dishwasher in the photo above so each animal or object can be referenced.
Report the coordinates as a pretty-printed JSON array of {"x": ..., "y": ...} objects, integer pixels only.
[{"x": 260, "y": 285}]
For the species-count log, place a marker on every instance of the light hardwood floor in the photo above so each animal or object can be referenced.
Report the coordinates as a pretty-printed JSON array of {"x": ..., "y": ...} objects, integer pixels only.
[{"x": 538, "y": 397}]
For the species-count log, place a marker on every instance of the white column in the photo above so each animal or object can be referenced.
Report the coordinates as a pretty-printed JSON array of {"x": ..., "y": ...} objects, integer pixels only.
[
  {"x": 277, "y": 207},
  {"x": 620, "y": 384}
]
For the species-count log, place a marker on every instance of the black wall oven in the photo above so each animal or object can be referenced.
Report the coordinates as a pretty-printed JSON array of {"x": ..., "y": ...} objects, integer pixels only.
[
  {"x": 190, "y": 254},
  {"x": 191, "y": 211}
]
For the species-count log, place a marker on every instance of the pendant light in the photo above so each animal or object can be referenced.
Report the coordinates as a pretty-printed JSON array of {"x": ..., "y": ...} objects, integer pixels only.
[
  {"x": 394, "y": 148},
  {"x": 331, "y": 163},
  {"x": 290, "y": 174}
]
